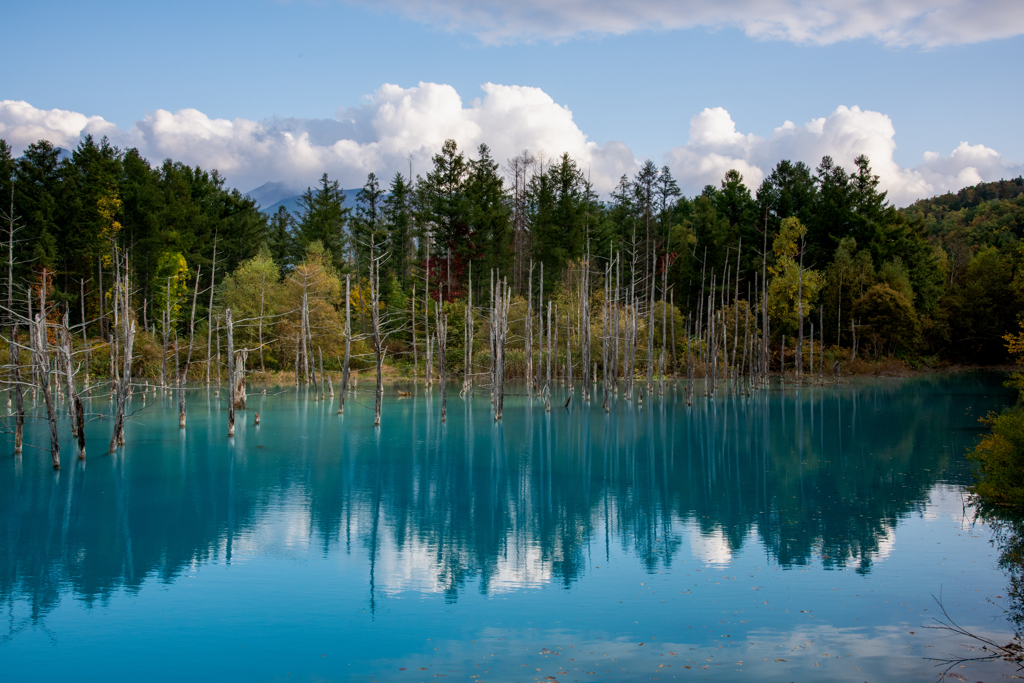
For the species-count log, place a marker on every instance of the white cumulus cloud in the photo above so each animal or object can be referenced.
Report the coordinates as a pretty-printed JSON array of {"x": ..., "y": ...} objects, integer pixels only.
[
  {"x": 379, "y": 135},
  {"x": 395, "y": 124},
  {"x": 715, "y": 146},
  {"x": 928, "y": 23}
]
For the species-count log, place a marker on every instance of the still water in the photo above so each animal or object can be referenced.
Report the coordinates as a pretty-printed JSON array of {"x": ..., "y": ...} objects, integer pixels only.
[{"x": 800, "y": 534}]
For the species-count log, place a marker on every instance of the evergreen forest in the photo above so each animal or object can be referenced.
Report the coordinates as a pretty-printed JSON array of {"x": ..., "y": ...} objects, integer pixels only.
[{"x": 813, "y": 259}]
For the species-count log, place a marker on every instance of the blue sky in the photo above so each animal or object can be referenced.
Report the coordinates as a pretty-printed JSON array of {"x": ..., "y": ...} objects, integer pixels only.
[{"x": 624, "y": 82}]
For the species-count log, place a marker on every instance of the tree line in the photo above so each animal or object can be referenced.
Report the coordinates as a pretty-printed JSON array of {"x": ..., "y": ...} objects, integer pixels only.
[{"x": 938, "y": 280}]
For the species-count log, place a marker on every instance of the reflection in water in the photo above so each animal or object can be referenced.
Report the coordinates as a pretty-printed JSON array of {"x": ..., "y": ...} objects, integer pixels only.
[{"x": 813, "y": 475}]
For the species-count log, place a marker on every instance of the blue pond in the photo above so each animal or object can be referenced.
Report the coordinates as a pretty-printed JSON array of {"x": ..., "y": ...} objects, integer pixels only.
[{"x": 799, "y": 534}]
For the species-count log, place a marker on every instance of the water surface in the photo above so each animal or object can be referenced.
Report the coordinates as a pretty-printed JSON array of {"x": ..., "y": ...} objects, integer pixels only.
[{"x": 799, "y": 534}]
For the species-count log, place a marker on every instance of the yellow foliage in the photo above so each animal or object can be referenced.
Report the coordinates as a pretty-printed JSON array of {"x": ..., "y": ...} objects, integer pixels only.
[
  {"x": 173, "y": 269},
  {"x": 108, "y": 207},
  {"x": 1015, "y": 344}
]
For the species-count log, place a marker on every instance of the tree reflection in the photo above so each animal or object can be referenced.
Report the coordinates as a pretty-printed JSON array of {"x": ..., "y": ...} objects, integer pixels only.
[{"x": 814, "y": 474}]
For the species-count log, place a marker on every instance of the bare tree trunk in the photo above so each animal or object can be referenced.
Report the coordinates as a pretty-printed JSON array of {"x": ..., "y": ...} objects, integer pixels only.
[
  {"x": 209, "y": 323},
  {"x": 238, "y": 379},
  {"x": 585, "y": 326},
  {"x": 441, "y": 324},
  {"x": 568, "y": 354},
  {"x": 605, "y": 310},
  {"x": 323, "y": 388},
  {"x": 491, "y": 331},
  {"x": 650, "y": 325},
  {"x": 821, "y": 331},
  {"x": 426, "y": 314},
  {"x": 735, "y": 301},
  {"x": 782, "y": 360},
  {"x": 664, "y": 329},
  {"x": 302, "y": 335},
  {"x": 415, "y": 352},
  {"x": 810, "y": 364},
  {"x": 800, "y": 317},
  {"x": 615, "y": 325},
  {"x": 377, "y": 340},
  {"x": 80, "y": 418},
  {"x": 263, "y": 296},
  {"x": 121, "y": 316},
  {"x": 67, "y": 360},
  {"x": 672, "y": 306},
  {"x": 167, "y": 334},
  {"x": 178, "y": 382},
  {"x": 216, "y": 391},
  {"x": 85, "y": 336},
  {"x": 469, "y": 335},
  {"x": 528, "y": 337},
  {"x": 547, "y": 383},
  {"x": 348, "y": 345},
  {"x": 231, "y": 371},
  {"x": 42, "y": 362},
  {"x": 183, "y": 377},
  {"x": 853, "y": 342},
  {"x": 504, "y": 295},
  {"x": 99, "y": 270},
  {"x": 19, "y": 396},
  {"x": 540, "y": 329}
]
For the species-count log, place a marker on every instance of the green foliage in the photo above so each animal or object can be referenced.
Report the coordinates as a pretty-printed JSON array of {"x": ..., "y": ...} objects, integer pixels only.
[
  {"x": 889, "y": 318},
  {"x": 1000, "y": 458},
  {"x": 251, "y": 292},
  {"x": 322, "y": 218},
  {"x": 791, "y": 284},
  {"x": 172, "y": 286},
  {"x": 940, "y": 278}
]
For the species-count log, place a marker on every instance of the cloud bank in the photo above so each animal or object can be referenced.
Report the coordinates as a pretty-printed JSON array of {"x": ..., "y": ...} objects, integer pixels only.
[
  {"x": 715, "y": 146},
  {"x": 395, "y": 125},
  {"x": 926, "y": 23}
]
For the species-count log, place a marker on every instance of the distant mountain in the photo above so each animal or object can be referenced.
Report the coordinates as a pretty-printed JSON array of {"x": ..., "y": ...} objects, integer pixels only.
[
  {"x": 269, "y": 194},
  {"x": 272, "y": 196}
]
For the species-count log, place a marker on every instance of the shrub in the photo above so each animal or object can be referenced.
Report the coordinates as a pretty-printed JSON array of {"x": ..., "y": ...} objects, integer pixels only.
[{"x": 1000, "y": 458}]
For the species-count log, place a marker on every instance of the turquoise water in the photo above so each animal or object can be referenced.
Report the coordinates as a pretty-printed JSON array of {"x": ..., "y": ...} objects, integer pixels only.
[{"x": 796, "y": 535}]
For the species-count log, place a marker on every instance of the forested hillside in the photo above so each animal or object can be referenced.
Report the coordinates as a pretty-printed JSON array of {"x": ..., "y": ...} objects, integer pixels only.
[{"x": 939, "y": 280}]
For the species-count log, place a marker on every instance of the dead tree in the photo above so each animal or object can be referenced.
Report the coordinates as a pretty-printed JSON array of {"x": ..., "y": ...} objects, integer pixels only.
[
  {"x": 41, "y": 361},
  {"x": 500, "y": 315},
  {"x": 412, "y": 319},
  {"x": 441, "y": 325},
  {"x": 467, "y": 375},
  {"x": 547, "y": 381},
  {"x": 231, "y": 371},
  {"x": 605, "y": 310},
  {"x": 427, "y": 380},
  {"x": 66, "y": 356},
  {"x": 585, "y": 325},
  {"x": 127, "y": 330},
  {"x": 379, "y": 349},
  {"x": 568, "y": 354},
  {"x": 650, "y": 325},
  {"x": 209, "y": 324},
  {"x": 183, "y": 375},
  {"x": 238, "y": 379},
  {"x": 800, "y": 311},
  {"x": 540, "y": 330},
  {"x": 166, "y": 315},
  {"x": 19, "y": 396},
  {"x": 348, "y": 345},
  {"x": 263, "y": 296},
  {"x": 528, "y": 336}
]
